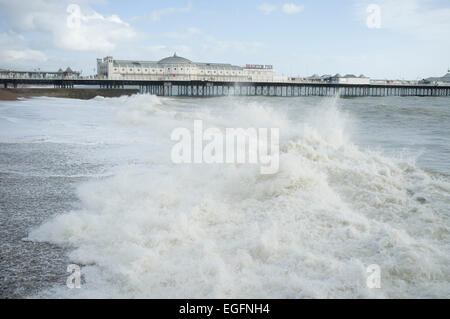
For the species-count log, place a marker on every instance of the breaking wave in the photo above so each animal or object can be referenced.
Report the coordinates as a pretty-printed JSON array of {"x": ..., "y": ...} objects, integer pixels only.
[{"x": 158, "y": 230}]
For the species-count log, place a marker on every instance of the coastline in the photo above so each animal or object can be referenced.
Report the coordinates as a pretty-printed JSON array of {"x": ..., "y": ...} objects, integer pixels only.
[{"x": 83, "y": 94}]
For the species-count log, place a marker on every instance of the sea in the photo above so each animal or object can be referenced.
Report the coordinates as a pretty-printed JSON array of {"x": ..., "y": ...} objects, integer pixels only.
[{"x": 359, "y": 207}]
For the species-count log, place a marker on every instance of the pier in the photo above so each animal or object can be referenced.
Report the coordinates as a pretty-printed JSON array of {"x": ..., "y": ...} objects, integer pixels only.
[
  {"x": 207, "y": 89},
  {"x": 215, "y": 88},
  {"x": 178, "y": 76}
]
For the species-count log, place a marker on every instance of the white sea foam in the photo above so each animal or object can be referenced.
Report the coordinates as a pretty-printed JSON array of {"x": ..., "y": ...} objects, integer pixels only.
[{"x": 166, "y": 231}]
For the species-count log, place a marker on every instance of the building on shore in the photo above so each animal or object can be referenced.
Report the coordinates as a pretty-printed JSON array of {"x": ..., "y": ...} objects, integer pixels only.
[
  {"x": 436, "y": 80},
  {"x": 177, "y": 68}
]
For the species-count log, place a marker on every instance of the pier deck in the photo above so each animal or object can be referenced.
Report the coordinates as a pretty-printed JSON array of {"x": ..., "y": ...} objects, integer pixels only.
[{"x": 210, "y": 88}]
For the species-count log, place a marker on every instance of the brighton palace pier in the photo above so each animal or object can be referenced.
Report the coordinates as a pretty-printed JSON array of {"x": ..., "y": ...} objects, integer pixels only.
[{"x": 178, "y": 76}]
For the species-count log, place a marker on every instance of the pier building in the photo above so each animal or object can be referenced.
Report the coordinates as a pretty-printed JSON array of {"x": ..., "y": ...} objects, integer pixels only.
[
  {"x": 349, "y": 79},
  {"x": 38, "y": 74},
  {"x": 177, "y": 68}
]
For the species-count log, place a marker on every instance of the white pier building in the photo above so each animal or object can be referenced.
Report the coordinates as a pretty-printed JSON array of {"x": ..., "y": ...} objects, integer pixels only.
[{"x": 176, "y": 68}]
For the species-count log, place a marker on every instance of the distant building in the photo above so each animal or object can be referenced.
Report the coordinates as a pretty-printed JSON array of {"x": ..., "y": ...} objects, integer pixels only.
[
  {"x": 443, "y": 79},
  {"x": 349, "y": 79},
  {"x": 38, "y": 74},
  {"x": 319, "y": 78},
  {"x": 179, "y": 68}
]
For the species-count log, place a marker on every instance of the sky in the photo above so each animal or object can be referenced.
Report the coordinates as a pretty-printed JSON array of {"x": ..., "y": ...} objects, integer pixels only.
[{"x": 383, "y": 39}]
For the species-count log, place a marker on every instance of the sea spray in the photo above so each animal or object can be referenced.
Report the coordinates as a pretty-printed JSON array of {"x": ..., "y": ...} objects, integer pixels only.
[{"x": 310, "y": 231}]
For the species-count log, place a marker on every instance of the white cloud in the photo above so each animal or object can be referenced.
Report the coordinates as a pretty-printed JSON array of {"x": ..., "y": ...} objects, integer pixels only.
[
  {"x": 266, "y": 8},
  {"x": 288, "y": 8},
  {"x": 292, "y": 8},
  {"x": 14, "y": 51},
  {"x": 157, "y": 15},
  {"x": 99, "y": 34},
  {"x": 83, "y": 30},
  {"x": 23, "y": 54}
]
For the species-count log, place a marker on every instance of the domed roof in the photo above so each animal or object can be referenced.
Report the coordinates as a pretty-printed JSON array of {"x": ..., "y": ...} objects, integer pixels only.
[{"x": 175, "y": 59}]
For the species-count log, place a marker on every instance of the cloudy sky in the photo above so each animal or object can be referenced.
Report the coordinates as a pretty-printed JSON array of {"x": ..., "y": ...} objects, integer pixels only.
[{"x": 381, "y": 38}]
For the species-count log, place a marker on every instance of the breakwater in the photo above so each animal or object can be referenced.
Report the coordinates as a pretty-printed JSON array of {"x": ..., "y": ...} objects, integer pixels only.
[{"x": 83, "y": 94}]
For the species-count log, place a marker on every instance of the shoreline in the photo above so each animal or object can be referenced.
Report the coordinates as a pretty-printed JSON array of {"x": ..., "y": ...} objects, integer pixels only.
[{"x": 82, "y": 94}]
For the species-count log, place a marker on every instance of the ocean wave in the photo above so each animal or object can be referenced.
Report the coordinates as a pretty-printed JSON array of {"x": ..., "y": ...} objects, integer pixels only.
[{"x": 309, "y": 231}]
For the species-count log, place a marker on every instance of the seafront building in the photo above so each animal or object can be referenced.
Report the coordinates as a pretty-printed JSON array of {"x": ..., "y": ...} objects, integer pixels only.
[
  {"x": 38, "y": 74},
  {"x": 177, "y": 68}
]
